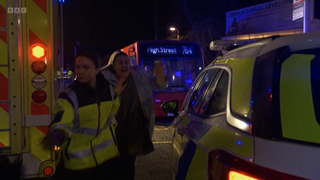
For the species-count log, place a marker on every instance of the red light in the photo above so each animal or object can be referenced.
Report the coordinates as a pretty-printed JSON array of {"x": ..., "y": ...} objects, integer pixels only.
[
  {"x": 223, "y": 165},
  {"x": 38, "y": 52},
  {"x": 47, "y": 171},
  {"x": 39, "y": 96},
  {"x": 38, "y": 67}
]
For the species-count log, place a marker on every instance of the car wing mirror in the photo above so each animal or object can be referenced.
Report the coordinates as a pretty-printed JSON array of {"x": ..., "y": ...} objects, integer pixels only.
[{"x": 171, "y": 106}]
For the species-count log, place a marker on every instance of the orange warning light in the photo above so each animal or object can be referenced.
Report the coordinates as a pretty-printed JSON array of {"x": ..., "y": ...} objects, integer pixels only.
[{"x": 38, "y": 52}]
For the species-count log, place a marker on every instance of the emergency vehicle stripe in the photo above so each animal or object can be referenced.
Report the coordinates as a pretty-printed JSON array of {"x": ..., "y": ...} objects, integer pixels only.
[
  {"x": 4, "y": 124},
  {"x": 3, "y": 44},
  {"x": 200, "y": 134},
  {"x": 4, "y": 91},
  {"x": 3, "y": 14},
  {"x": 202, "y": 131},
  {"x": 38, "y": 34},
  {"x": 225, "y": 139},
  {"x": 3, "y": 38},
  {"x": 40, "y": 109},
  {"x": 298, "y": 119},
  {"x": 39, "y": 30},
  {"x": 4, "y": 96},
  {"x": 42, "y": 5},
  {"x": 185, "y": 160},
  {"x": 4, "y": 138},
  {"x": 4, "y": 114},
  {"x": 33, "y": 39},
  {"x": 198, "y": 167}
]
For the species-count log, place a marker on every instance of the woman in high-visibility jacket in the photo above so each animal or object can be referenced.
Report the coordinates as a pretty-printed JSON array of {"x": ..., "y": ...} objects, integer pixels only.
[{"x": 84, "y": 123}]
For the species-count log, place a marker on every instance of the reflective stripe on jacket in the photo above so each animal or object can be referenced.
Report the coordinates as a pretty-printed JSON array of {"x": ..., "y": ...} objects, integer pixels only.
[{"x": 88, "y": 119}]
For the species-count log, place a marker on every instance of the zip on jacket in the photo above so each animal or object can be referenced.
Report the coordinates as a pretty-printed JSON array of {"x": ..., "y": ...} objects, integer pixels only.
[{"x": 98, "y": 128}]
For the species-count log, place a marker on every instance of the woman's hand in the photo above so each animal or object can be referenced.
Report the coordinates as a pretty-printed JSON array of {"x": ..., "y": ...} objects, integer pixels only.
[
  {"x": 159, "y": 73},
  {"x": 159, "y": 70},
  {"x": 56, "y": 137},
  {"x": 122, "y": 84}
]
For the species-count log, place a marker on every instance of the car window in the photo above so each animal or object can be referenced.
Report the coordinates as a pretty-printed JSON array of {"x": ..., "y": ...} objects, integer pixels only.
[
  {"x": 195, "y": 84},
  {"x": 285, "y": 95},
  {"x": 199, "y": 91},
  {"x": 215, "y": 100}
]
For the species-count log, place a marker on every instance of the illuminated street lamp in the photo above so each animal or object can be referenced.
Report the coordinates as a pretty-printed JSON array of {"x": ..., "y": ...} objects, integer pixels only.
[{"x": 175, "y": 29}]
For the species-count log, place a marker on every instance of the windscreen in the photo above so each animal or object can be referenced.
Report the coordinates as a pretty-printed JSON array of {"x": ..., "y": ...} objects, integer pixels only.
[{"x": 181, "y": 72}]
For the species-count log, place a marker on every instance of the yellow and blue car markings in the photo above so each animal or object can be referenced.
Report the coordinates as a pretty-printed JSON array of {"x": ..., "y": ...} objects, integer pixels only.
[{"x": 207, "y": 135}]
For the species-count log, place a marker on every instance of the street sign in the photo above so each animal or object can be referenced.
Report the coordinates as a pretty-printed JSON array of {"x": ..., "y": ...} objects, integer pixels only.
[{"x": 298, "y": 9}]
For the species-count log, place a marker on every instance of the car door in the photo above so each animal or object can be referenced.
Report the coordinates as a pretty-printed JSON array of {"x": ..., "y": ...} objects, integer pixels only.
[
  {"x": 190, "y": 106},
  {"x": 177, "y": 139},
  {"x": 193, "y": 161}
]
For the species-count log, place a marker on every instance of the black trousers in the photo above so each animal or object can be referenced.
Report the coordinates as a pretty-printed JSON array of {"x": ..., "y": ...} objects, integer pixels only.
[
  {"x": 127, "y": 166},
  {"x": 108, "y": 170}
]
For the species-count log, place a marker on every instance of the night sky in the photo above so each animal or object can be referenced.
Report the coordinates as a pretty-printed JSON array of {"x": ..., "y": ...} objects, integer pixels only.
[{"x": 108, "y": 25}]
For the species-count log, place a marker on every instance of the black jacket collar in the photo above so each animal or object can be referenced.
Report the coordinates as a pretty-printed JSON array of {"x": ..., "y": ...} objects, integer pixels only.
[{"x": 102, "y": 84}]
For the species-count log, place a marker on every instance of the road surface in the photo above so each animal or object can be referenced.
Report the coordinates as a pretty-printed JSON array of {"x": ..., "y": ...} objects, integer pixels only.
[{"x": 157, "y": 165}]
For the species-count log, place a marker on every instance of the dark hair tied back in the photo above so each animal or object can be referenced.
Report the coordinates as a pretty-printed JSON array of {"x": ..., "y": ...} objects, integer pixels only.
[{"x": 90, "y": 54}]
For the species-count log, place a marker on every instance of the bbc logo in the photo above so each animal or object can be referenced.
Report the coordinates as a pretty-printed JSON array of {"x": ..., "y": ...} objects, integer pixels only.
[{"x": 16, "y": 10}]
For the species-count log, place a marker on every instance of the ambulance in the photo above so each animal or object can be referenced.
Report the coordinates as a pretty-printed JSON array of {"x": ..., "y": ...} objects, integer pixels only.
[
  {"x": 30, "y": 54},
  {"x": 252, "y": 114}
]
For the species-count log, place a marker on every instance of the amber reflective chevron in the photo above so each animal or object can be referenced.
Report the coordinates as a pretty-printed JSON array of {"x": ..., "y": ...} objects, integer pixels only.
[
  {"x": 38, "y": 33},
  {"x": 4, "y": 85},
  {"x": 3, "y": 14},
  {"x": 42, "y": 4}
]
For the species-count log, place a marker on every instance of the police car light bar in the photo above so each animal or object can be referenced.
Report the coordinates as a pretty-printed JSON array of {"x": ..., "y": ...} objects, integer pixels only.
[{"x": 221, "y": 45}]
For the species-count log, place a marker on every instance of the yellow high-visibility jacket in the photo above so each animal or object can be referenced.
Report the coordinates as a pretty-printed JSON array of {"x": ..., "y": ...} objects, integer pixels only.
[
  {"x": 86, "y": 115},
  {"x": 70, "y": 74}
]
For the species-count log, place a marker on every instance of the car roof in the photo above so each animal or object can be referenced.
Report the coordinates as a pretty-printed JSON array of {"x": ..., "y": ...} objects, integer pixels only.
[
  {"x": 242, "y": 61},
  {"x": 253, "y": 50}
]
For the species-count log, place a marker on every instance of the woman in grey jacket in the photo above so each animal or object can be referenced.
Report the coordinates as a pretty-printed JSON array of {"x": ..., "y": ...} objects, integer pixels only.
[{"x": 136, "y": 114}]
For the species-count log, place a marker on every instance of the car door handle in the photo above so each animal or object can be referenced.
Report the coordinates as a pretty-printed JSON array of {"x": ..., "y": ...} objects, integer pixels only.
[{"x": 180, "y": 131}]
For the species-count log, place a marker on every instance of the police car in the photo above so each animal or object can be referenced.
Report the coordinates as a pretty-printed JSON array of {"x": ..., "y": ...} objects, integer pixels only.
[{"x": 254, "y": 113}]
